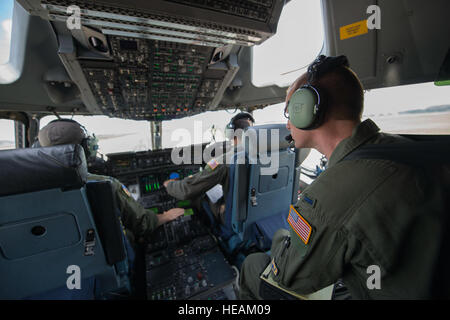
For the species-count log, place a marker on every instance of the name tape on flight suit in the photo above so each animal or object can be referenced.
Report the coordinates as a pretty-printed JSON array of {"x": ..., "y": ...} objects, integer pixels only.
[
  {"x": 300, "y": 226},
  {"x": 274, "y": 267}
]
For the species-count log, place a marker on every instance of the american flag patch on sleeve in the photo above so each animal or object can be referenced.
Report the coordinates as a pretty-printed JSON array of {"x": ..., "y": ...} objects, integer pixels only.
[
  {"x": 126, "y": 190},
  {"x": 213, "y": 163},
  {"x": 299, "y": 225}
]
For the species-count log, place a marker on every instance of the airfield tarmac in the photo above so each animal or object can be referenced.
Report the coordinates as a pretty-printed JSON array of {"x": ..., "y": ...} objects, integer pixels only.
[{"x": 421, "y": 123}]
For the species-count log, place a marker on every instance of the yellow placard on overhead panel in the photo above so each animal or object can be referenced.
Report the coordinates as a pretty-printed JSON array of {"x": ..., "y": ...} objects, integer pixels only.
[{"x": 353, "y": 30}]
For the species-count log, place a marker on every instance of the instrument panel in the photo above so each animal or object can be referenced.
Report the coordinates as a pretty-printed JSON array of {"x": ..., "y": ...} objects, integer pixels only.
[
  {"x": 213, "y": 23},
  {"x": 152, "y": 80},
  {"x": 144, "y": 174},
  {"x": 182, "y": 259}
]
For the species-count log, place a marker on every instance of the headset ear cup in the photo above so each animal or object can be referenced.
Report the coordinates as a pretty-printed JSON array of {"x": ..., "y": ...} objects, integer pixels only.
[
  {"x": 85, "y": 146},
  {"x": 303, "y": 108},
  {"x": 90, "y": 146}
]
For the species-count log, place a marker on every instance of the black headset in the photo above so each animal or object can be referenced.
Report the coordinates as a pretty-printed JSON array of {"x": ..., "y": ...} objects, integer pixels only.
[
  {"x": 243, "y": 115},
  {"x": 307, "y": 106},
  {"x": 89, "y": 143}
]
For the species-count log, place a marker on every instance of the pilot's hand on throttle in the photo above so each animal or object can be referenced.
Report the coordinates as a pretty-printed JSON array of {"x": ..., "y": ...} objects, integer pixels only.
[{"x": 169, "y": 215}]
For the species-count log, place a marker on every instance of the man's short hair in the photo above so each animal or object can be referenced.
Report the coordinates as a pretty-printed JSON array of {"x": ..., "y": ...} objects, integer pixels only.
[
  {"x": 243, "y": 123},
  {"x": 344, "y": 94}
]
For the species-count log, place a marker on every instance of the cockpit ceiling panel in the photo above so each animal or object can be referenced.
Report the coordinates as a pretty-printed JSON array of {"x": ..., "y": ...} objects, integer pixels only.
[
  {"x": 200, "y": 22},
  {"x": 157, "y": 60},
  {"x": 152, "y": 80}
]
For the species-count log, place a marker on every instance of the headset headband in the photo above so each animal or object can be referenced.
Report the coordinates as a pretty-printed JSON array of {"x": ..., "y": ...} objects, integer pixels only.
[
  {"x": 242, "y": 115},
  {"x": 323, "y": 65}
]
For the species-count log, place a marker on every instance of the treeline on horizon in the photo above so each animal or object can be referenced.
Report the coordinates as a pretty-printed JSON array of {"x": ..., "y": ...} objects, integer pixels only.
[{"x": 440, "y": 108}]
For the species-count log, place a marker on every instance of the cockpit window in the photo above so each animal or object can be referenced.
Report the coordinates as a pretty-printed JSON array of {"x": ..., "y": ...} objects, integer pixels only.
[
  {"x": 6, "y": 11},
  {"x": 7, "y": 135},
  {"x": 113, "y": 134},
  {"x": 202, "y": 128},
  {"x": 299, "y": 39},
  {"x": 422, "y": 108}
]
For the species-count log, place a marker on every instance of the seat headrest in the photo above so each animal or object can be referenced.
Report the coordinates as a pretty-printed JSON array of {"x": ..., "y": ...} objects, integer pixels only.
[
  {"x": 34, "y": 169},
  {"x": 266, "y": 138}
]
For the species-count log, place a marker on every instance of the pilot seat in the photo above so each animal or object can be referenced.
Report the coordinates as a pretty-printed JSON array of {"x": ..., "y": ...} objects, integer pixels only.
[
  {"x": 60, "y": 237},
  {"x": 264, "y": 182}
]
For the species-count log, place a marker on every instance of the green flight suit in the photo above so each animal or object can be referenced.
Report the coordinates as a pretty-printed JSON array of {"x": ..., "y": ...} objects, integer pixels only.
[
  {"x": 362, "y": 213},
  {"x": 139, "y": 222},
  {"x": 197, "y": 184}
]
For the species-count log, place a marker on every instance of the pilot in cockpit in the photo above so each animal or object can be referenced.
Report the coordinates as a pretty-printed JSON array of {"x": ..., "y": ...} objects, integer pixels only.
[
  {"x": 138, "y": 221},
  {"x": 213, "y": 180}
]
